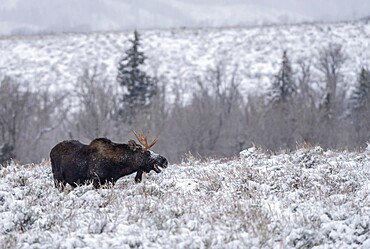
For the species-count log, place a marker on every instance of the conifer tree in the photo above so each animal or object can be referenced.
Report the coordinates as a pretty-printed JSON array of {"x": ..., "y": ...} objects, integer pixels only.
[
  {"x": 360, "y": 109},
  {"x": 138, "y": 87},
  {"x": 283, "y": 86},
  {"x": 360, "y": 95},
  {"x": 281, "y": 116}
]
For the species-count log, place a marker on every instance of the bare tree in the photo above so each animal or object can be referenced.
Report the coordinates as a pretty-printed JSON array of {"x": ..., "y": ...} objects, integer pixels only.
[
  {"x": 330, "y": 62},
  {"x": 97, "y": 108},
  {"x": 26, "y": 117},
  {"x": 211, "y": 123},
  {"x": 12, "y": 113},
  {"x": 305, "y": 82}
]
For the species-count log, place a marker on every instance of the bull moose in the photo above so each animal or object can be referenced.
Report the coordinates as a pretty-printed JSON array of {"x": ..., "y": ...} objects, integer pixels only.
[{"x": 103, "y": 161}]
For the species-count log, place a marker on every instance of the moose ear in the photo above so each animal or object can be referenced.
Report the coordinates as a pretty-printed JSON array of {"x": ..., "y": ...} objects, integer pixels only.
[{"x": 132, "y": 145}]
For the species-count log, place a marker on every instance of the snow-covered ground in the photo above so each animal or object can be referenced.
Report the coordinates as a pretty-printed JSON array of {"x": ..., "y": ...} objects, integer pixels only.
[
  {"x": 181, "y": 55},
  {"x": 305, "y": 199}
]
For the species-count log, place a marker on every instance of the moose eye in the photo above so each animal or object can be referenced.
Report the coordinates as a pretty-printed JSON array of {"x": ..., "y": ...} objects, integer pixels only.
[{"x": 147, "y": 153}]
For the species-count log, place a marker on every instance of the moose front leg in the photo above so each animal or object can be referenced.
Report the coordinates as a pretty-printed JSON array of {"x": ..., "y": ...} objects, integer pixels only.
[{"x": 139, "y": 176}]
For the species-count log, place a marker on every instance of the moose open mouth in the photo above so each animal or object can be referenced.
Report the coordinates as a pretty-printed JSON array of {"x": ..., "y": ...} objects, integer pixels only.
[
  {"x": 156, "y": 168},
  {"x": 162, "y": 164}
]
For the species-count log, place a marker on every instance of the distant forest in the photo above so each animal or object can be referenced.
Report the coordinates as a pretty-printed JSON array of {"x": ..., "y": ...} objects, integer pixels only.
[{"x": 216, "y": 121}]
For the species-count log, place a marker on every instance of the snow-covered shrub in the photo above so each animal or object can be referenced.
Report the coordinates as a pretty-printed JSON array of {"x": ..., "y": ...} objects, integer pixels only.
[{"x": 260, "y": 201}]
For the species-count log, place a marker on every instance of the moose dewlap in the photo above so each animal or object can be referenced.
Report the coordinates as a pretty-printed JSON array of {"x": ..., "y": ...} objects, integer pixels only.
[{"x": 102, "y": 161}]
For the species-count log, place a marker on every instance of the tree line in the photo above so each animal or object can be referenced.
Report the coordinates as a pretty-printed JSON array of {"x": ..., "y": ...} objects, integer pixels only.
[{"x": 217, "y": 120}]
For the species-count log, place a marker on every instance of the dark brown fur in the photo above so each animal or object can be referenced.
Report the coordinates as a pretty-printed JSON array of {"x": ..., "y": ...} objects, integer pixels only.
[{"x": 101, "y": 161}]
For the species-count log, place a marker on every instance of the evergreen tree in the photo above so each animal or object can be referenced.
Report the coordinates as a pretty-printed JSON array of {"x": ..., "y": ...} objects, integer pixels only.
[
  {"x": 283, "y": 86},
  {"x": 138, "y": 87},
  {"x": 281, "y": 118},
  {"x": 360, "y": 95},
  {"x": 360, "y": 109}
]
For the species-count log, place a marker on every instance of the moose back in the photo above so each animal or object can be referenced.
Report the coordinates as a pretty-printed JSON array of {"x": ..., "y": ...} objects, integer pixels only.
[{"x": 102, "y": 161}]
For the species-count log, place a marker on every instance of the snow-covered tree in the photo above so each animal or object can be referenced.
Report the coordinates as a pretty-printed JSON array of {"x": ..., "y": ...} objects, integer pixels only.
[{"x": 138, "y": 87}]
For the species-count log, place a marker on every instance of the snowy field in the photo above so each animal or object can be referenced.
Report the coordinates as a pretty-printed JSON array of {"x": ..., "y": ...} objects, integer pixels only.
[
  {"x": 305, "y": 199},
  {"x": 180, "y": 56}
]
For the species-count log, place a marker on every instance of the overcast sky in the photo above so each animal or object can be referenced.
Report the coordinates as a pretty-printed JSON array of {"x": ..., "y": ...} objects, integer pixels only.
[{"x": 17, "y": 16}]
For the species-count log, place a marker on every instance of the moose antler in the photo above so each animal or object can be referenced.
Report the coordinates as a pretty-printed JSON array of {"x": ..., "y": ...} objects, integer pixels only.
[{"x": 144, "y": 140}]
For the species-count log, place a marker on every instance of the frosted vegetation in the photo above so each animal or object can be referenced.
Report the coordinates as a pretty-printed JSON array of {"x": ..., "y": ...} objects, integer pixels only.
[{"x": 307, "y": 199}]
